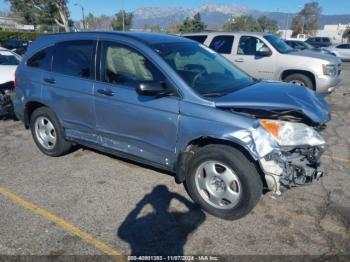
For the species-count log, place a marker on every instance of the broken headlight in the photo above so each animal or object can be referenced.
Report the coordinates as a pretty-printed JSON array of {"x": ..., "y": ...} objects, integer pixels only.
[{"x": 291, "y": 133}]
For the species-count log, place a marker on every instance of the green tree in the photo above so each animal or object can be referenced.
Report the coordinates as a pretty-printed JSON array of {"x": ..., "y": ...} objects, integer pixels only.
[
  {"x": 297, "y": 25},
  {"x": 119, "y": 18},
  {"x": 267, "y": 25},
  {"x": 97, "y": 22},
  {"x": 192, "y": 25},
  {"x": 242, "y": 23},
  {"x": 346, "y": 34},
  {"x": 46, "y": 12},
  {"x": 306, "y": 21}
]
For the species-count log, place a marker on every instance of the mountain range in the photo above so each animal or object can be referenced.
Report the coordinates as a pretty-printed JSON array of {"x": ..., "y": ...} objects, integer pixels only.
[{"x": 215, "y": 15}]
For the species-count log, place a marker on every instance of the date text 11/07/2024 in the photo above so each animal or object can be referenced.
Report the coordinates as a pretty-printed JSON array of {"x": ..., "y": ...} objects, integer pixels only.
[{"x": 173, "y": 258}]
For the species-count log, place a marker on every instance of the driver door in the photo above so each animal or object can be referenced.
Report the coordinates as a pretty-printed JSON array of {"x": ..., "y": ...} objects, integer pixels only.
[
  {"x": 247, "y": 59},
  {"x": 142, "y": 126}
]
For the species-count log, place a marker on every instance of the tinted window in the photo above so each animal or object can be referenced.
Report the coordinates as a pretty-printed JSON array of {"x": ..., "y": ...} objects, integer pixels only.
[
  {"x": 343, "y": 46},
  {"x": 41, "y": 59},
  {"x": 74, "y": 58},
  {"x": 125, "y": 66},
  {"x": 249, "y": 45},
  {"x": 8, "y": 58},
  {"x": 222, "y": 44},
  {"x": 199, "y": 38},
  {"x": 325, "y": 39}
]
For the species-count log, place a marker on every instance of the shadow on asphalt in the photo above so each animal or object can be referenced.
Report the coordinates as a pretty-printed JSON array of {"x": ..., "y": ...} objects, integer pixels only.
[{"x": 163, "y": 231}]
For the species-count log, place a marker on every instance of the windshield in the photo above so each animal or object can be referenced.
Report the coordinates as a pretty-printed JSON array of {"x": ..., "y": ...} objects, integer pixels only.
[
  {"x": 279, "y": 44},
  {"x": 8, "y": 58},
  {"x": 204, "y": 70}
]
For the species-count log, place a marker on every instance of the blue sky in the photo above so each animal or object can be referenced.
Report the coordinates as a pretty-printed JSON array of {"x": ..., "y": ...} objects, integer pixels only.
[{"x": 110, "y": 7}]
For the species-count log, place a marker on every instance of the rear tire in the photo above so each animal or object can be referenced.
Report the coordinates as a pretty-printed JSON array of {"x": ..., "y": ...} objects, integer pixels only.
[
  {"x": 223, "y": 181},
  {"x": 300, "y": 79},
  {"x": 47, "y": 133}
]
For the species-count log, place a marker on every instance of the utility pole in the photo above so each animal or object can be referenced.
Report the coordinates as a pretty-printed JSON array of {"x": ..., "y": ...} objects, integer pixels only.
[
  {"x": 123, "y": 15},
  {"x": 83, "y": 13}
]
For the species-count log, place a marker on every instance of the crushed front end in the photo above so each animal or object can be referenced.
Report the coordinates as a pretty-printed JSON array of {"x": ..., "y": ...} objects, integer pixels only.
[
  {"x": 288, "y": 152},
  {"x": 296, "y": 167},
  {"x": 7, "y": 94}
]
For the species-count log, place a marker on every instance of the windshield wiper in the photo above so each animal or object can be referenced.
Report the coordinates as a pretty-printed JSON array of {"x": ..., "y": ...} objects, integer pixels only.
[{"x": 215, "y": 94}]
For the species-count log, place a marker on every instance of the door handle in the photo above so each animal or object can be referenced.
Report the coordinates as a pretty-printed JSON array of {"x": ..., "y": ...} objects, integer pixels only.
[
  {"x": 106, "y": 92},
  {"x": 50, "y": 80},
  {"x": 240, "y": 60}
]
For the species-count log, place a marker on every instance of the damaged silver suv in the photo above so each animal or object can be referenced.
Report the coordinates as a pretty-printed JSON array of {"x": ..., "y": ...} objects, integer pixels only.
[{"x": 174, "y": 104}]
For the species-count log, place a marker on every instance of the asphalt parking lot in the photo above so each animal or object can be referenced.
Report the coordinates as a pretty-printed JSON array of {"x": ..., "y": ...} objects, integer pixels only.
[{"x": 88, "y": 203}]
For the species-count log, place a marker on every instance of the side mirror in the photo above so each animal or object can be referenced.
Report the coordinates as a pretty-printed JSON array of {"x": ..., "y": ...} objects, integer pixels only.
[
  {"x": 263, "y": 51},
  {"x": 153, "y": 88}
]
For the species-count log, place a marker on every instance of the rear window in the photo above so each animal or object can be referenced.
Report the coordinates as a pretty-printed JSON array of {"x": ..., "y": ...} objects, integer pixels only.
[
  {"x": 74, "y": 58},
  {"x": 222, "y": 44},
  {"x": 325, "y": 39},
  {"x": 199, "y": 38},
  {"x": 41, "y": 59}
]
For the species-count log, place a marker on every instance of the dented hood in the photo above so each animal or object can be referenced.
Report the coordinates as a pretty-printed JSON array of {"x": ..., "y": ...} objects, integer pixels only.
[{"x": 278, "y": 96}]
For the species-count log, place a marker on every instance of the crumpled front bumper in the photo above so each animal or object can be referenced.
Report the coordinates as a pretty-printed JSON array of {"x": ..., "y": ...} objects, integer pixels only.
[
  {"x": 6, "y": 105},
  {"x": 296, "y": 167},
  {"x": 283, "y": 167}
]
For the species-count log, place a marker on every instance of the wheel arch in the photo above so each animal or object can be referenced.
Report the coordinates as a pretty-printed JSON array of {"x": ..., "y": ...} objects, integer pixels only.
[
  {"x": 186, "y": 155},
  {"x": 307, "y": 73},
  {"x": 29, "y": 108}
]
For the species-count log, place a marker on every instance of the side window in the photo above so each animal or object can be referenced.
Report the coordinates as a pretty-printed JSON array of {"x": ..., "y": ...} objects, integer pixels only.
[
  {"x": 343, "y": 46},
  {"x": 291, "y": 44},
  {"x": 122, "y": 65},
  {"x": 299, "y": 46},
  {"x": 222, "y": 44},
  {"x": 199, "y": 38},
  {"x": 74, "y": 58},
  {"x": 41, "y": 59},
  {"x": 249, "y": 45}
]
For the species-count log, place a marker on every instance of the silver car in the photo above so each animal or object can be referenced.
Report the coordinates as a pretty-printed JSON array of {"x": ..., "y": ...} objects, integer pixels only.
[
  {"x": 266, "y": 56},
  {"x": 342, "y": 51}
]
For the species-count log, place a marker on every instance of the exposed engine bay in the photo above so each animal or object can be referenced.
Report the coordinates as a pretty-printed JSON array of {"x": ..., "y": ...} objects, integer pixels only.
[
  {"x": 298, "y": 167},
  {"x": 6, "y": 95}
]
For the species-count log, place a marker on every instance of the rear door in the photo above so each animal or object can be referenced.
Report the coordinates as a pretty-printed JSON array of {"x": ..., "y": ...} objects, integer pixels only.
[
  {"x": 142, "y": 126},
  {"x": 246, "y": 58},
  {"x": 69, "y": 87}
]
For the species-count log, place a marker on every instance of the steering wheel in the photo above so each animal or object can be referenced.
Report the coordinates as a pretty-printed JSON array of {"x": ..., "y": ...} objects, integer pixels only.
[{"x": 200, "y": 75}]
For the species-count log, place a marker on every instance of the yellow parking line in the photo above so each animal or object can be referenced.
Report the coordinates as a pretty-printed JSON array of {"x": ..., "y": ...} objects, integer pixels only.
[
  {"x": 62, "y": 223},
  {"x": 337, "y": 159}
]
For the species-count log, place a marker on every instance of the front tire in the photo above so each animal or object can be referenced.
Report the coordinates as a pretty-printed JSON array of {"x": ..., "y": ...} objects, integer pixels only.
[
  {"x": 299, "y": 79},
  {"x": 47, "y": 133},
  {"x": 223, "y": 181}
]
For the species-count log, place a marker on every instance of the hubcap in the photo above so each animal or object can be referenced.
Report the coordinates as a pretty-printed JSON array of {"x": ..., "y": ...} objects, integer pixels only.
[
  {"x": 45, "y": 132},
  {"x": 297, "y": 82},
  {"x": 218, "y": 184}
]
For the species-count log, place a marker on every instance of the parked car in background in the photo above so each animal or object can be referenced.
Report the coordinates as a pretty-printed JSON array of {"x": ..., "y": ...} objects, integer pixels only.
[
  {"x": 342, "y": 51},
  {"x": 318, "y": 42},
  {"x": 300, "y": 37},
  {"x": 18, "y": 46},
  {"x": 266, "y": 56},
  {"x": 174, "y": 104},
  {"x": 8, "y": 64},
  {"x": 302, "y": 45}
]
